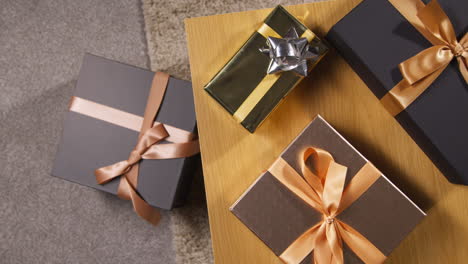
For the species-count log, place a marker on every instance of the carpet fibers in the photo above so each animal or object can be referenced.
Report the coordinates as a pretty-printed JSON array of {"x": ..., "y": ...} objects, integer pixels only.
[
  {"x": 45, "y": 219},
  {"x": 164, "y": 25},
  {"x": 42, "y": 43}
]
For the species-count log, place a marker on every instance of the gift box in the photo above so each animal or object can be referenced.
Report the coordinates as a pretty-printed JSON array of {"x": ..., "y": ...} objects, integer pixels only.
[
  {"x": 245, "y": 88},
  {"x": 107, "y": 112},
  {"x": 428, "y": 99},
  {"x": 321, "y": 191}
]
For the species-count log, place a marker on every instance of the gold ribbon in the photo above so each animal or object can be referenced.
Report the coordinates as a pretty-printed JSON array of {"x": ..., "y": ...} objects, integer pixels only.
[
  {"x": 420, "y": 71},
  {"x": 268, "y": 81},
  {"x": 325, "y": 192},
  {"x": 185, "y": 143}
]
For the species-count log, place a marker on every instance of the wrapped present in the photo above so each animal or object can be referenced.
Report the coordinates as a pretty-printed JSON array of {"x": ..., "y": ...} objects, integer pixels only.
[
  {"x": 269, "y": 65},
  {"x": 130, "y": 132},
  {"x": 414, "y": 57},
  {"x": 322, "y": 201}
]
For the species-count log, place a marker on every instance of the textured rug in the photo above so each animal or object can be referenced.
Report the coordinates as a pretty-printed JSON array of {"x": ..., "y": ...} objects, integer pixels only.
[
  {"x": 45, "y": 219},
  {"x": 164, "y": 25}
]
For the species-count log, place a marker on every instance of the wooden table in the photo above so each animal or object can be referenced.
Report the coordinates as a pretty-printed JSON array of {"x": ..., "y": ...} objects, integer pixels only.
[{"x": 233, "y": 158}]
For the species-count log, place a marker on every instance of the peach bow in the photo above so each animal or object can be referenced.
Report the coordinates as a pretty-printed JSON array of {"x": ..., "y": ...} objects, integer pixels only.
[
  {"x": 420, "y": 71},
  {"x": 151, "y": 133},
  {"x": 325, "y": 192}
]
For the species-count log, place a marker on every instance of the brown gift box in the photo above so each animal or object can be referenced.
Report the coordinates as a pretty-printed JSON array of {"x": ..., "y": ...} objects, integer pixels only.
[{"x": 383, "y": 214}]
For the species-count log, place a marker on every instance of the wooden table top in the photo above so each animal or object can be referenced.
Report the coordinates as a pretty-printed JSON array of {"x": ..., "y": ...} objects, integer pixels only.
[{"x": 233, "y": 158}]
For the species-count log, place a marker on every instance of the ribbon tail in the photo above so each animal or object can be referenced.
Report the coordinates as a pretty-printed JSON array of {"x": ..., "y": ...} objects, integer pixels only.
[
  {"x": 335, "y": 244},
  {"x": 123, "y": 191},
  {"x": 303, "y": 245},
  {"x": 362, "y": 247},
  {"x": 140, "y": 206},
  {"x": 323, "y": 253}
]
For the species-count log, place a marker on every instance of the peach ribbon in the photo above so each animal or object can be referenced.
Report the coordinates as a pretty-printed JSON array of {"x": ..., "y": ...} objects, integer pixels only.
[
  {"x": 150, "y": 133},
  {"x": 325, "y": 192},
  {"x": 420, "y": 71},
  {"x": 123, "y": 119}
]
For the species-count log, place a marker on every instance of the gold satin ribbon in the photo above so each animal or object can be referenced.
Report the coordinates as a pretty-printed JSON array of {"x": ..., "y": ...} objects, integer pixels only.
[
  {"x": 420, "y": 71},
  {"x": 184, "y": 144},
  {"x": 324, "y": 190},
  {"x": 268, "y": 81}
]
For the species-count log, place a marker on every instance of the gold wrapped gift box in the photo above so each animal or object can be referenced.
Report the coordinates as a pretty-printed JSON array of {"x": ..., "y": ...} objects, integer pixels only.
[{"x": 243, "y": 86}]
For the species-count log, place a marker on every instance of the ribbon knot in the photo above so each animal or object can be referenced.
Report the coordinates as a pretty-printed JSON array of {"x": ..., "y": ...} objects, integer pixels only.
[
  {"x": 135, "y": 156},
  {"x": 142, "y": 149},
  {"x": 329, "y": 220},
  {"x": 324, "y": 191}
]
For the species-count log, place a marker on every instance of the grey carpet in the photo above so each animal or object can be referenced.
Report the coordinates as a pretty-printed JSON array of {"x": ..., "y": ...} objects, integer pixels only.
[
  {"x": 46, "y": 219},
  {"x": 164, "y": 25},
  {"x": 49, "y": 220}
]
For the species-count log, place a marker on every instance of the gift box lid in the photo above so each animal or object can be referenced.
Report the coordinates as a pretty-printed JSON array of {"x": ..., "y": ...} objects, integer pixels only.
[
  {"x": 383, "y": 214},
  {"x": 375, "y": 38},
  {"x": 241, "y": 75},
  {"x": 88, "y": 143}
]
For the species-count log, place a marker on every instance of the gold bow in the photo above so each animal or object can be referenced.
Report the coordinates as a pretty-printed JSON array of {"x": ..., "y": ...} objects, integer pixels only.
[
  {"x": 420, "y": 71},
  {"x": 150, "y": 134},
  {"x": 325, "y": 192}
]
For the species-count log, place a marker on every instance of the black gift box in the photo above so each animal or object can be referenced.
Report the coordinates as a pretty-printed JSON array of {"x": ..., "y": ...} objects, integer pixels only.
[
  {"x": 375, "y": 38},
  {"x": 88, "y": 143}
]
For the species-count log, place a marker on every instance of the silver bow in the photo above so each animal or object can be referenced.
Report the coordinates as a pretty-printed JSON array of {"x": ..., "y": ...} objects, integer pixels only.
[{"x": 289, "y": 53}]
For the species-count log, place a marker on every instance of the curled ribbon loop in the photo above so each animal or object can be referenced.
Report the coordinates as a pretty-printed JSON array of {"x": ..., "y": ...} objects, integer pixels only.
[
  {"x": 324, "y": 190},
  {"x": 150, "y": 134},
  {"x": 421, "y": 70}
]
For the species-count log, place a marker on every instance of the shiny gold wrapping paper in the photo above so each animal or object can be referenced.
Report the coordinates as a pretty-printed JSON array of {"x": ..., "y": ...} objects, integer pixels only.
[{"x": 243, "y": 73}]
